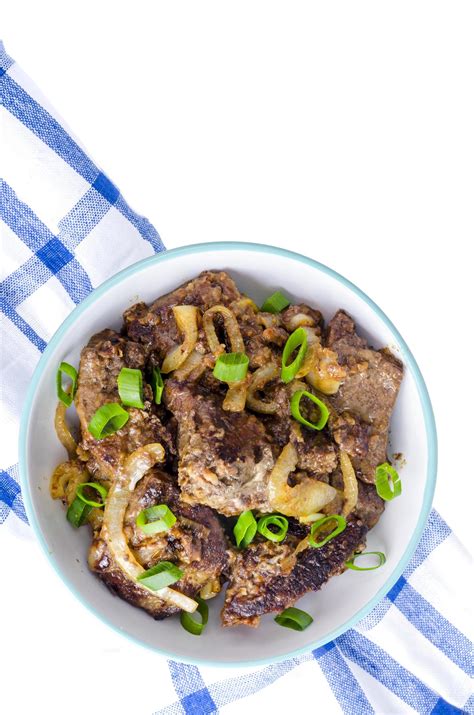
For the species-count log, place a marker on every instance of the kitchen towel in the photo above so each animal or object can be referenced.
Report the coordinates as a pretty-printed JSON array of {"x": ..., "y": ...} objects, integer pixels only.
[{"x": 65, "y": 228}]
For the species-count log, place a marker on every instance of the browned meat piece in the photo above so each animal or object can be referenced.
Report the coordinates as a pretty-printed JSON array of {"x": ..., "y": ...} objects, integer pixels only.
[
  {"x": 224, "y": 457},
  {"x": 196, "y": 544},
  {"x": 260, "y": 582},
  {"x": 368, "y": 393},
  {"x": 351, "y": 435},
  {"x": 101, "y": 361},
  {"x": 291, "y": 318},
  {"x": 370, "y": 506},
  {"x": 155, "y": 327}
]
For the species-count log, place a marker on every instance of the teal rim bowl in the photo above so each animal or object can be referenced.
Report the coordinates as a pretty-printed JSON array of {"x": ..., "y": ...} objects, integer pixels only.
[{"x": 221, "y": 248}]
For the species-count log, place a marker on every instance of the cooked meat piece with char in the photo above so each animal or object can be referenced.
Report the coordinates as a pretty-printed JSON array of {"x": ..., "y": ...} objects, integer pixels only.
[
  {"x": 196, "y": 544},
  {"x": 154, "y": 326},
  {"x": 101, "y": 361},
  {"x": 261, "y": 583},
  {"x": 370, "y": 506},
  {"x": 224, "y": 457},
  {"x": 368, "y": 394}
]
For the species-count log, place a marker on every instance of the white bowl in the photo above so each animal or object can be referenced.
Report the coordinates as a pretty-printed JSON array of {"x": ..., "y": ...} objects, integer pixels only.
[{"x": 258, "y": 271}]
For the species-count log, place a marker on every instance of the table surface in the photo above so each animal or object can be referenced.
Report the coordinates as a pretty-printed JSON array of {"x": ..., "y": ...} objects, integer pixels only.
[{"x": 343, "y": 131}]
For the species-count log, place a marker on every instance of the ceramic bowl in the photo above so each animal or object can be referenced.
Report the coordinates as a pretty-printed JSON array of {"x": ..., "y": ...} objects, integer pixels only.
[{"x": 258, "y": 271}]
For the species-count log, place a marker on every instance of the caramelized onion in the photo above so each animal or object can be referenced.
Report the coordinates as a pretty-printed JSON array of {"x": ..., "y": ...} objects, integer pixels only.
[
  {"x": 351, "y": 488},
  {"x": 231, "y": 326},
  {"x": 235, "y": 398},
  {"x": 192, "y": 368},
  {"x": 186, "y": 319},
  {"x": 303, "y": 499},
  {"x": 210, "y": 589},
  {"x": 136, "y": 465},
  {"x": 257, "y": 383},
  {"x": 63, "y": 431}
]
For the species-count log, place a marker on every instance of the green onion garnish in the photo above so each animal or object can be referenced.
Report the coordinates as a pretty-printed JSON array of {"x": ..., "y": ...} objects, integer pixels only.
[
  {"x": 294, "y": 618},
  {"x": 155, "y": 519},
  {"x": 70, "y": 371},
  {"x": 108, "y": 419},
  {"x": 275, "y": 303},
  {"x": 297, "y": 339},
  {"x": 130, "y": 387},
  {"x": 231, "y": 367},
  {"x": 78, "y": 512},
  {"x": 191, "y": 625},
  {"x": 245, "y": 529},
  {"x": 295, "y": 409},
  {"x": 387, "y": 482},
  {"x": 98, "y": 488},
  {"x": 157, "y": 384},
  {"x": 273, "y": 520},
  {"x": 163, "y": 574},
  {"x": 381, "y": 560},
  {"x": 317, "y": 526}
]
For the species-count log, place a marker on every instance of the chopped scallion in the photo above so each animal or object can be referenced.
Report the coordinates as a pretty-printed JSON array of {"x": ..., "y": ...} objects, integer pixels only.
[
  {"x": 380, "y": 556},
  {"x": 98, "y": 488},
  {"x": 387, "y": 482},
  {"x": 275, "y": 303},
  {"x": 231, "y": 367},
  {"x": 295, "y": 409},
  {"x": 280, "y": 522},
  {"x": 107, "y": 419},
  {"x": 66, "y": 397},
  {"x": 163, "y": 574},
  {"x": 155, "y": 519},
  {"x": 78, "y": 512},
  {"x": 130, "y": 387},
  {"x": 245, "y": 529},
  {"x": 157, "y": 384},
  {"x": 318, "y": 525},
  {"x": 298, "y": 339},
  {"x": 294, "y": 618},
  {"x": 190, "y": 624}
]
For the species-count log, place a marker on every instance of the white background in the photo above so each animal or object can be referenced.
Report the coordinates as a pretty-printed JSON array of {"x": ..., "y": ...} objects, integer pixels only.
[{"x": 343, "y": 130}]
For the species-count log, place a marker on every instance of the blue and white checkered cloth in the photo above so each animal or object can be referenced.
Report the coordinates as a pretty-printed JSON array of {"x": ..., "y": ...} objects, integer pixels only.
[{"x": 65, "y": 229}]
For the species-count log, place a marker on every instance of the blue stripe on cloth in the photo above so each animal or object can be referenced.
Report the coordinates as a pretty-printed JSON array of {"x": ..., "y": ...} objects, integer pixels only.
[
  {"x": 82, "y": 218},
  {"x": 469, "y": 706},
  {"x": 45, "y": 127},
  {"x": 5, "y": 60},
  {"x": 10, "y": 495},
  {"x": 375, "y": 661},
  {"x": 349, "y": 694},
  {"x": 191, "y": 689},
  {"x": 444, "y": 708},
  {"x": 51, "y": 258},
  {"x": 104, "y": 186},
  {"x": 436, "y": 531},
  {"x": 22, "y": 325},
  {"x": 435, "y": 627}
]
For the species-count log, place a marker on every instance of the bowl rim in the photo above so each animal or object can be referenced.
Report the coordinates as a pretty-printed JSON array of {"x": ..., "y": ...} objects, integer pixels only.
[{"x": 409, "y": 360}]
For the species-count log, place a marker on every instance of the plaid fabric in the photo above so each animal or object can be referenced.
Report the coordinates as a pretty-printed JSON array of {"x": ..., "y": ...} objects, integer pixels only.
[{"x": 65, "y": 229}]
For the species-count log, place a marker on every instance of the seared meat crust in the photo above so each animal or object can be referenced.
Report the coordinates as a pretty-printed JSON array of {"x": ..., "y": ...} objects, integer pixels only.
[{"x": 196, "y": 544}]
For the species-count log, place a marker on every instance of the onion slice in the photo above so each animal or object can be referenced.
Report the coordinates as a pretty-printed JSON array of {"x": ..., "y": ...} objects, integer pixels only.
[
  {"x": 135, "y": 467},
  {"x": 186, "y": 319},
  {"x": 257, "y": 383},
  {"x": 302, "y": 500},
  {"x": 351, "y": 488},
  {"x": 231, "y": 326},
  {"x": 63, "y": 431}
]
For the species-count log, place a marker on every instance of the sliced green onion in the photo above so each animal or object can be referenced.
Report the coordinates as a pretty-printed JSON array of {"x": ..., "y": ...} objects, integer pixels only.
[
  {"x": 295, "y": 409},
  {"x": 157, "y": 384},
  {"x": 294, "y": 618},
  {"x": 155, "y": 519},
  {"x": 297, "y": 339},
  {"x": 98, "y": 488},
  {"x": 275, "y": 303},
  {"x": 163, "y": 574},
  {"x": 381, "y": 560},
  {"x": 65, "y": 397},
  {"x": 245, "y": 529},
  {"x": 108, "y": 419},
  {"x": 317, "y": 526},
  {"x": 191, "y": 625},
  {"x": 387, "y": 482},
  {"x": 78, "y": 512},
  {"x": 231, "y": 367},
  {"x": 273, "y": 520},
  {"x": 130, "y": 387}
]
